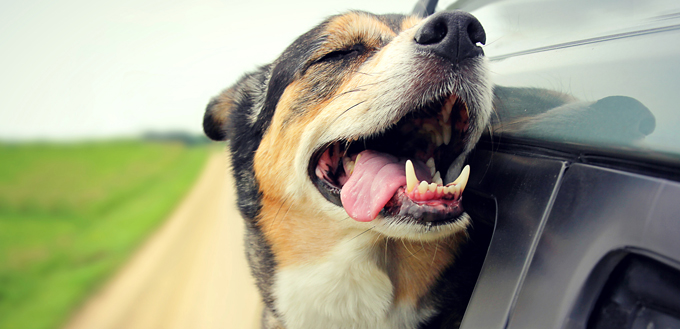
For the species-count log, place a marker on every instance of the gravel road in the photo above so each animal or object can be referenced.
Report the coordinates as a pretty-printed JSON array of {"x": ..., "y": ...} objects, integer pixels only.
[{"x": 191, "y": 273}]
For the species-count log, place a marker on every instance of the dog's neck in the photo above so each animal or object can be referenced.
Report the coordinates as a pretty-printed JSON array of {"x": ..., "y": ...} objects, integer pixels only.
[{"x": 360, "y": 280}]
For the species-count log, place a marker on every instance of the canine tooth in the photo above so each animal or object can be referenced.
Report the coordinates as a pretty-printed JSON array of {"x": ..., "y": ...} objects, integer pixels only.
[
  {"x": 439, "y": 139},
  {"x": 462, "y": 179},
  {"x": 432, "y": 187},
  {"x": 411, "y": 179},
  {"x": 422, "y": 188},
  {"x": 446, "y": 110},
  {"x": 350, "y": 166},
  {"x": 437, "y": 178},
  {"x": 430, "y": 164},
  {"x": 446, "y": 130}
]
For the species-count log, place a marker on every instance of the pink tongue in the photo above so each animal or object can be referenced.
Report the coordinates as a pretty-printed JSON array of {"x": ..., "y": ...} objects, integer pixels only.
[{"x": 376, "y": 177}]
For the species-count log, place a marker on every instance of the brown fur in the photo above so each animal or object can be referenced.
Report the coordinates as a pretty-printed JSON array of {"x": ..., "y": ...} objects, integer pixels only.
[{"x": 417, "y": 265}]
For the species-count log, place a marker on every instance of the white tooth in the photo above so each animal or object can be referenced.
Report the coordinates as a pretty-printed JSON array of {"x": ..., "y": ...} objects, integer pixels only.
[
  {"x": 357, "y": 159},
  {"x": 451, "y": 190},
  {"x": 345, "y": 163},
  {"x": 446, "y": 110},
  {"x": 422, "y": 188},
  {"x": 437, "y": 178},
  {"x": 456, "y": 192},
  {"x": 429, "y": 127},
  {"x": 351, "y": 167},
  {"x": 445, "y": 114},
  {"x": 411, "y": 179},
  {"x": 462, "y": 179},
  {"x": 432, "y": 187},
  {"x": 440, "y": 189},
  {"x": 446, "y": 130},
  {"x": 430, "y": 164}
]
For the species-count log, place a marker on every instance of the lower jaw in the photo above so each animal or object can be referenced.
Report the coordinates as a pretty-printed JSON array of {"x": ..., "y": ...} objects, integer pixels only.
[
  {"x": 439, "y": 212},
  {"x": 410, "y": 229}
]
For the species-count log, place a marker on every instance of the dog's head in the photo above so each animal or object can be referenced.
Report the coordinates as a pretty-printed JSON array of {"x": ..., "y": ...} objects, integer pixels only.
[{"x": 364, "y": 117}]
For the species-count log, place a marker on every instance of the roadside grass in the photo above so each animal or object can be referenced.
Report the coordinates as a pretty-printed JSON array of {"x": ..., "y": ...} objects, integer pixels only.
[{"x": 71, "y": 214}]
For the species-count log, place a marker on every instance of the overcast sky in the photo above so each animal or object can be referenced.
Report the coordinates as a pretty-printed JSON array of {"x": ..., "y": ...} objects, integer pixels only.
[{"x": 74, "y": 69}]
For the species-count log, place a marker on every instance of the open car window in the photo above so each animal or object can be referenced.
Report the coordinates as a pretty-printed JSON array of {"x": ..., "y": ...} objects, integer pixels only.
[{"x": 598, "y": 75}]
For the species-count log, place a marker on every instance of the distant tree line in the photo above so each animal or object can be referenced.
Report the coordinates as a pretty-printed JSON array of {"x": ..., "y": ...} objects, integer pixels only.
[{"x": 176, "y": 136}]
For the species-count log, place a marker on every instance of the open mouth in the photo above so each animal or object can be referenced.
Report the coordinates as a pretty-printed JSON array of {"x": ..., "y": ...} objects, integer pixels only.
[{"x": 400, "y": 172}]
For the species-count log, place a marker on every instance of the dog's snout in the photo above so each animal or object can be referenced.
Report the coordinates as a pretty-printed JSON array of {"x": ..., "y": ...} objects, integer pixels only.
[{"x": 452, "y": 35}]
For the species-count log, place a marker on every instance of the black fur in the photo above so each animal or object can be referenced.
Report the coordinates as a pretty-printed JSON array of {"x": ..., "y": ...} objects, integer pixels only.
[
  {"x": 211, "y": 127},
  {"x": 244, "y": 139},
  {"x": 292, "y": 63}
]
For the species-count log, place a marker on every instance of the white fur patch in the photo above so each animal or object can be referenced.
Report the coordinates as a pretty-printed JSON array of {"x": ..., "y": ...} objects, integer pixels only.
[{"x": 346, "y": 290}]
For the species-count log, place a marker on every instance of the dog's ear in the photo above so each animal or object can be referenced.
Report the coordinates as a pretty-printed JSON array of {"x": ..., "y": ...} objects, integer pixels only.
[
  {"x": 240, "y": 102},
  {"x": 217, "y": 114}
]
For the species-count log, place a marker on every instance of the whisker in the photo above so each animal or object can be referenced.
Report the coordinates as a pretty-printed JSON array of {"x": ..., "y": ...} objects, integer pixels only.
[
  {"x": 375, "y": 241},
  {"x": 286, "y": 214},
  {"x": 348, "y": 92},
  {"x": 277, "y": 212},
  {"x": 361, "y": 233},
  {"x": 288, "y": 210},
  {"x": 387, "y": 239},
  {"x": 369, "y": 74},
  {"x": 345, "y": 111},
  {"x": 405, "y": 247},
  {"x": 436, "y": 247}
]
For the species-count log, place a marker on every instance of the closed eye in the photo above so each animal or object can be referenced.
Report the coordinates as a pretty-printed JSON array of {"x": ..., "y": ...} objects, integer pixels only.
[{"x": 342, "y": 54}]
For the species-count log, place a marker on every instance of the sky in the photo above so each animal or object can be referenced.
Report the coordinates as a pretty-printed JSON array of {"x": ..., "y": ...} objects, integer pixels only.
[{"x": 79, "y": 69}]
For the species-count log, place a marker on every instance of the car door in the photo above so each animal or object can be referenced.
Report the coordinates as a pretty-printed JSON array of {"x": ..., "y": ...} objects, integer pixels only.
[{"x": 579, "y": 174}]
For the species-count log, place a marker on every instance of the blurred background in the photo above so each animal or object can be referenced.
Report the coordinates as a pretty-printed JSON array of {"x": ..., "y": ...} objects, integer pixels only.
[{"x": 115, "y": 211}]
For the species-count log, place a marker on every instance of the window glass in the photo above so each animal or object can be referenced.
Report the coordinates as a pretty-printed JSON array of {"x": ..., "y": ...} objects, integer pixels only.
[{"x": 600, "y": 73}]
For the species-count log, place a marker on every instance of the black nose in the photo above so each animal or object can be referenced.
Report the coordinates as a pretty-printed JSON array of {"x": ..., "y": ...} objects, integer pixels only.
[{"x": 452, "y": 35}]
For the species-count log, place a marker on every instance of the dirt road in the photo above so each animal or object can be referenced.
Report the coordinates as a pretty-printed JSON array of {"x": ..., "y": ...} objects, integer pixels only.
[{"x": 191, "y": 273}]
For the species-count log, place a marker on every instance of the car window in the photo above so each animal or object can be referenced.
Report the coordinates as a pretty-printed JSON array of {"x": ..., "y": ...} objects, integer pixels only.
[{"x": 596, "y": 73}]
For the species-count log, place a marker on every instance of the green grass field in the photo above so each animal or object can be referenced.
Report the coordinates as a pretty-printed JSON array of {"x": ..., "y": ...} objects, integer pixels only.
[{"x": 71, "y": 214}]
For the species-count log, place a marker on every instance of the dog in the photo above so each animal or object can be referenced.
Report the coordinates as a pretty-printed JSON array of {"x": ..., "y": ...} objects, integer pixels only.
[{"x": 348, "y": 153}]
